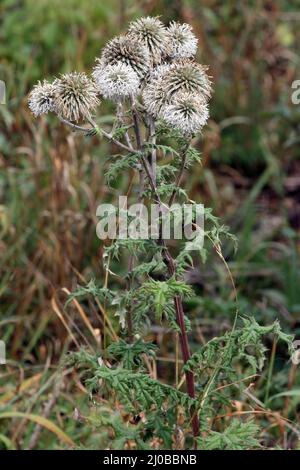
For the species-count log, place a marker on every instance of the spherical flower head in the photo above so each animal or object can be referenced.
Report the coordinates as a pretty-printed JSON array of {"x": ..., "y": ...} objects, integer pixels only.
[
  {"x": 183, "y": 42},
  {"x": 129, "y": 51},
  {"x": 154, "y": 95},
  {"x": 116, "y": 82},
  {"x": 76, "y": 96},
  {"x": 187, "y": 113},
  {"x": 41, "y": 98},
  {"x": 187, "y": 76},
  {"x": 151, "y": 32}
]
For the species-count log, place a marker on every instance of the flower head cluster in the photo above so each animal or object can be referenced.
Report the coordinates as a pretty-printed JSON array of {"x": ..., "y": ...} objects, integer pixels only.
[
  {"x": 167, "y": 88},
  {"x": 178, "y": 90},
  {"x": 150, "y": 60},
  {"x": 73, "y": 96},
  {"x": 116, "y": 82},
  {"x": 41, "y": 98}
]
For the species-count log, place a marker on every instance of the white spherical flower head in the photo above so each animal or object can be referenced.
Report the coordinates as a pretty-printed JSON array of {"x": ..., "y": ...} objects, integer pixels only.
[
  {"x": 152, "y": 33},
  {"x": 76, "y": 96},
  {"x": 187, "y": 113},
  {"x": 41, "y": 98},
  {"x": 154, "y": 95},
  {"x": 116, "y": 82},
  {"x": 183, "y": 42},
  {"x": 160, "y": 70},
  {"x": 129, "y": 51}
]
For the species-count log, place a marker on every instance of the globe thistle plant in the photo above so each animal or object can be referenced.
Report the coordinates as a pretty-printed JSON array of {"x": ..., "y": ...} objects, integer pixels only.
[
  {"x": 41, "y": 98},
  {"x": 188, "y": 113},
  {"x": 152, "y": 33},
  {"x": 129, "y": 51},
  {"x": 147, "y": 75},
  {"x": 151, "y": 78},
  {"x": 76, "y": 96},
  {"x": 116, "y": 82},
  {"x": 182, "y": 41}
]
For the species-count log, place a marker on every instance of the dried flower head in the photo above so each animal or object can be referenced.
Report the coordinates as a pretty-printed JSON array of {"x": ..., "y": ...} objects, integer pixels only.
[
  {"x": 129, "y": 51},
  {"x": 152, "y": 33},
  {"x": 183, "y": 42},
  {"x": 154, "y": 95},
  {"x": 76, "y": 96},
  {"x": 159, "y": 71},
  {"x": 41, "y": 98},
  {"x": 187, "y": 76},
  {"x": 188, "y": 113},
  {"x": 116, "y": 82}
]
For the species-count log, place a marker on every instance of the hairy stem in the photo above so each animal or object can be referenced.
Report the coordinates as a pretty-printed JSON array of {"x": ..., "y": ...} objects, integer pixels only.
[
  {"x": 179, "y": 176},
  {"x": 152, "y": 140},
  {"x": 97, "y": 130}
]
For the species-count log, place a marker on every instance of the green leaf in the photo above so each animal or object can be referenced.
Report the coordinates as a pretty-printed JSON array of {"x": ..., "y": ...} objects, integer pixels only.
[{"x": 237, "y": 436}]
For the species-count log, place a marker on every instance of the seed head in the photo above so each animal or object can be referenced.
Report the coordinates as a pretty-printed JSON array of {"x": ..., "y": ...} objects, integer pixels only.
[
  {"x": 183, "y": 42},
  {"x": 152, "y": 33},
  {"x": 116, "y": 82},
  {"x": 154, "y": 95},
  {"x": 76, "y": 96},
  {"x": 187, "y": 76},
  {"x": 187, "y": 113},
  {"x": 129, "y": 51},
  {"x": 41, "y": 98}
]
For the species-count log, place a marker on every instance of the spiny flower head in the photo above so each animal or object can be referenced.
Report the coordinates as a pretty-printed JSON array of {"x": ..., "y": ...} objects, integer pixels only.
[
  {"x": 129, "y": 51},
  {"x": 41, "y": 98},
  {"x": 154, "y": 95},
  {"x": 187, "y": 112},
  {"x": 160, "y": 70},
  {"x": 183, "y": 42},
  {"x": 76, "y": 96},
  {"x": 187, "y": 76},
  {"x": 117, "y": 81},
  {"x": 154, "y": 98},
  {"x": 152, "y": 33}
]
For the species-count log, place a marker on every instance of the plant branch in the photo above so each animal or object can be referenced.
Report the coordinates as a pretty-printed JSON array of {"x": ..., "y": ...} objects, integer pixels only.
[
  {"x": 109, "y": 136},
  {"x": 99, "y": 131}
]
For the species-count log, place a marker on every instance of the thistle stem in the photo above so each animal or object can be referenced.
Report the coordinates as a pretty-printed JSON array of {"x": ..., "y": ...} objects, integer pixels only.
[
  {"x": 179, "y": 176},
  {"x": 94, "y": 127}
]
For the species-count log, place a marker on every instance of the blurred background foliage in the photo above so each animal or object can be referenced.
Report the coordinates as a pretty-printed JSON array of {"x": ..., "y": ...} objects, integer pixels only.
[{"x": 51, "y": 182}]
